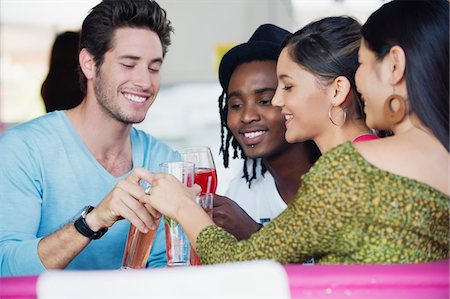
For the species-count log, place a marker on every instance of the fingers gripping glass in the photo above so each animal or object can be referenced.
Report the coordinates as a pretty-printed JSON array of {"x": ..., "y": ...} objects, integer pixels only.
[{"x": 138, "y": 246}]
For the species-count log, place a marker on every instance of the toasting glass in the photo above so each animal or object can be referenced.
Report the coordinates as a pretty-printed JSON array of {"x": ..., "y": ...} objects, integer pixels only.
[
  {"x": 138, "y": 246},
  {"x": 205, "y": 170},
  {"x": 205, "y": 176}
]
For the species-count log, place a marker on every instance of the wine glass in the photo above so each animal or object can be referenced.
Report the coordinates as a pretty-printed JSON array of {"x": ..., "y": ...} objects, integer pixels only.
[
  {"x": 205, "y": 170},
  {"x": 205, "y": 177}
]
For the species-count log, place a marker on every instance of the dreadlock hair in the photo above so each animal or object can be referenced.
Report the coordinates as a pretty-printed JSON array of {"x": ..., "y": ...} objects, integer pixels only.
[
  {"x": 227, "y": 138},
  {"x": 263, "y": 45}
]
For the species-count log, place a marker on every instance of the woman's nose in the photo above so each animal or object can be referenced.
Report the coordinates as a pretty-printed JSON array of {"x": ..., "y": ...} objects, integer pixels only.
[{"x": 277, "y": 99}]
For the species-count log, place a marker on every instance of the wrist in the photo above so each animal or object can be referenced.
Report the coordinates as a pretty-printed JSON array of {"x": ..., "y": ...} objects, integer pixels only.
[
  {"x": 92, "y": 221},
  {"x": 83, "y": 227},
  {"x": 187, "y": 205}
]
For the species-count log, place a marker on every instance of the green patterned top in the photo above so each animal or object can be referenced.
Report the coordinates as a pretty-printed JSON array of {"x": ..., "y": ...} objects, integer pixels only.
[{"x": 346, "y": 211}]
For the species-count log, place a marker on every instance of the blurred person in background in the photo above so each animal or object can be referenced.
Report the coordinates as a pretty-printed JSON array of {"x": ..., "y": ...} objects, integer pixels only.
[
  {"x": 67, "y": 178},
  {"x": 255, "y": 130},
  {"x": 61, "y": 88}
]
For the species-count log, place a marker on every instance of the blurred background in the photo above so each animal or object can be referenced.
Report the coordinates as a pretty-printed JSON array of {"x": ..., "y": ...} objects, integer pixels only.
[{"x": 186, "y": 110}]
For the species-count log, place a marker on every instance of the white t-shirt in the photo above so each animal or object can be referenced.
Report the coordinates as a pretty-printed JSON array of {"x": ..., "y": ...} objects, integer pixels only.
[{"x": 262, "y": 201}]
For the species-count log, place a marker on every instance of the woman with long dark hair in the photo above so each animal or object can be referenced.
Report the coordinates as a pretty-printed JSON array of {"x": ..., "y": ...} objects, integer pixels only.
[{"x": 380, "y": 201}]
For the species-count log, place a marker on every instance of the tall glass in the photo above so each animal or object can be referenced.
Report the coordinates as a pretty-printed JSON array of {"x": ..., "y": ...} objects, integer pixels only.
[
  {"x": 205, "y": 169},
  {"x": 137, "y": 248},
  {"x": 205, "y": 176},
  {"x": 177, "y": 243},
  {"x": 138, "y": 245}
]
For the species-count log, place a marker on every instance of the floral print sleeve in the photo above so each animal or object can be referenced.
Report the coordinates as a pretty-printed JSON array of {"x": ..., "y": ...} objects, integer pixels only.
[{"x": 346, "y": 211}]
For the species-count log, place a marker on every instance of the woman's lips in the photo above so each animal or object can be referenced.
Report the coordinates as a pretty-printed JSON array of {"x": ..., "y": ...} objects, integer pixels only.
[{"x": 288, "y": 118}]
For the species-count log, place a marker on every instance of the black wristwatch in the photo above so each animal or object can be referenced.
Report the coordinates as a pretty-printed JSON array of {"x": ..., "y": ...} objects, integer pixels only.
[{"x": 83, "y": 228}]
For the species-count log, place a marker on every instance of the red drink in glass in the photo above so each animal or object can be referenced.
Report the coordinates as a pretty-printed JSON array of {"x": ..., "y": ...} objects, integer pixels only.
[
  {"x": 205, "y": 177},
  {"x": 201, "y": 179},
  {"x": 194, "y": 259}
]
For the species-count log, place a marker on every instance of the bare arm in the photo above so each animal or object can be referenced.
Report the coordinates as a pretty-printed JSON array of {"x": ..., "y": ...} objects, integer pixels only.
[
  {"x": 193, "y": 219},
  {"x": 57, "y": 250}
]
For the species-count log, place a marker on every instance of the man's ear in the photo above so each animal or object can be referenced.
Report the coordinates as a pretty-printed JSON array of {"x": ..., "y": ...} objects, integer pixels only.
[
  {"x": 87, "y": 63},
  {"x": 339, "y": 90},
  {"x": 397, "y": 64}
]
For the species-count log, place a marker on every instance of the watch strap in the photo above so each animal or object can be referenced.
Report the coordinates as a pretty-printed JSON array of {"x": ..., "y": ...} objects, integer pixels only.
[{"x": 83, "y": 228}]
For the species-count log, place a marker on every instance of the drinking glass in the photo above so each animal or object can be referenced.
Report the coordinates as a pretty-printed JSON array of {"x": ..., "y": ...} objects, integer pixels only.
[
  {"x": 177, "y": 243},
  {"x": 205, "y": 170},
  {"x": 138, "y": 247},
  {"x": 205, "y": 176}
]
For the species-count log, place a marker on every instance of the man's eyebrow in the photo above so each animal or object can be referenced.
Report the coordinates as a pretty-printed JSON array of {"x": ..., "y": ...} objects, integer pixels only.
[
  {"x": 257, "y": 91},
  {"x": 265, "y": 89},
  {"x": 233, "y": 94},
  {"x": 132, "y": 57}
]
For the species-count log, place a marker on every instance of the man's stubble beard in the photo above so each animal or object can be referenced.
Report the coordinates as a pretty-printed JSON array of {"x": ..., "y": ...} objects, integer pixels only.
[{"x": 104, "y": 94}]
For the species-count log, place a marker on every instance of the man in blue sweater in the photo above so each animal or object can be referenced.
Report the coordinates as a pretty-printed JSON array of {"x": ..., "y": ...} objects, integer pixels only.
[{"x": 88, "y": 158}]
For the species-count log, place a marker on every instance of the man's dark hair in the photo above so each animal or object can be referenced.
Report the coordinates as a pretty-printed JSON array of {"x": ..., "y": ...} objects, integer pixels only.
[{"x": 98, "y": 28}]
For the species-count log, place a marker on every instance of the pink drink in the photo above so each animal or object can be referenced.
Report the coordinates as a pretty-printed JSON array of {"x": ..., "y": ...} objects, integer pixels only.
[
  {"x": 137, "y": 248},
  {"x": 168, "y": 241},
  {"x": 201, "y": 179}
]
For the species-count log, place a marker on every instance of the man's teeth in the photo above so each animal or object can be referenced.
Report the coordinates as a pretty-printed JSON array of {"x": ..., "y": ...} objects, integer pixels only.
[
  {"x": 253, "y": 134},
  {"x": 289, "y": 117},
  {"x": 134, "y": 98}
]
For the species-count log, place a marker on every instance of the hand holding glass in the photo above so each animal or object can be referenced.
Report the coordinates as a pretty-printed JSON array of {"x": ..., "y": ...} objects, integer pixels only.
[
  {"x": 177, "y": 243},
  {"x": 206, "y": 177},
  {"x": 138, "y": 247}
]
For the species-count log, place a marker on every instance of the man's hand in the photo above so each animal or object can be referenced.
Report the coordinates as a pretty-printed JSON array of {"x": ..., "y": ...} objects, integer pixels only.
[
  {"x": 125, "y": 201},
  {"x": 230, "y": 216}
]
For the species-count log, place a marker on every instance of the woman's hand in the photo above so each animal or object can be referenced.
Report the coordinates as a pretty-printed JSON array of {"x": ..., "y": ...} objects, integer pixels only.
[
  {"x": 168, "y": 195},
  {"x": 173, "y": 199}
]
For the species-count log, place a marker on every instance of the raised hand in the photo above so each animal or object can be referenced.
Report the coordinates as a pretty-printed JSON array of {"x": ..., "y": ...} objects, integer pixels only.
[
  {"x": 126, "y": 200},
  {"x": 230, "y": 216},
  {"x": 168, "y": 194}
]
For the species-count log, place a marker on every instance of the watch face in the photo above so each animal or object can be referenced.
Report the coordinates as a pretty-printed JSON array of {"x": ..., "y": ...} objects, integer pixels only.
[{"x": 86, "y": 210}]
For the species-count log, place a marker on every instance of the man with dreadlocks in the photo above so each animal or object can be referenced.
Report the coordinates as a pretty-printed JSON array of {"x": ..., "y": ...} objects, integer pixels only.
[{"x": 255, "y": 130}]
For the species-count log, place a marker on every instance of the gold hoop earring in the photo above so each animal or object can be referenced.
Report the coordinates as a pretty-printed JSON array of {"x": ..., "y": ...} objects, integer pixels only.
[
  {"x": 394, "y": 109},
  {"x": 332, "y": 119}
]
